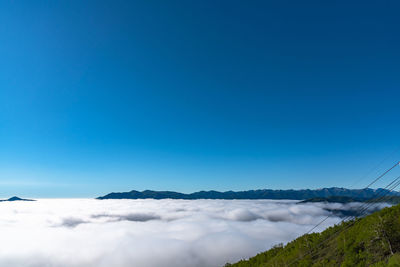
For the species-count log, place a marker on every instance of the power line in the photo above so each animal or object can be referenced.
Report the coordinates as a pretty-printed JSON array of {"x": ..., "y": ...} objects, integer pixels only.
[
  {"x": 318, "y": 224},
  {"x": 376, "y": 166},
  {"x": 374, "y": 181},
  {"x": 364, "y": 207},
  {"x": 351, "y": 224}
]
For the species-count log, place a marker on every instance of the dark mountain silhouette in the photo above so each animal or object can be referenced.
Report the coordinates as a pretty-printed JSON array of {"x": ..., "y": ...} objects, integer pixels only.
[
  {"x": 394, "y": 199},
  {"x": 16, "y": 199},
  {"x": 256, "y": 194},
  {"x": 334, "y": 199}
]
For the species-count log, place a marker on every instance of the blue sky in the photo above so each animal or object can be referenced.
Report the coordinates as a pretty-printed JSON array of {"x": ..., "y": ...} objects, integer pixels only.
[{"x": 100, "y": 96}]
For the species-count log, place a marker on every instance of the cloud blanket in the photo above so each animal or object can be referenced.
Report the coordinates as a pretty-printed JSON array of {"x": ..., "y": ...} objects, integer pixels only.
[{"x": 122, "y": 233}]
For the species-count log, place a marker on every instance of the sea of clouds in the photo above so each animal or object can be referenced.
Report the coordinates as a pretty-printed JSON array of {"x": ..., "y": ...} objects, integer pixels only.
[{"x": 119, "y": 233}]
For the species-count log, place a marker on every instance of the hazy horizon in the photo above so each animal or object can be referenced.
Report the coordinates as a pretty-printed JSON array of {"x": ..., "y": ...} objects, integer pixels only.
[{"x": 4, "y": 196}]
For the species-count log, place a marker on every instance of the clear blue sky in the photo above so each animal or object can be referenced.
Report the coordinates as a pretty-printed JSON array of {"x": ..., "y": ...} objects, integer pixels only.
[{"x": 100, "y": 96}]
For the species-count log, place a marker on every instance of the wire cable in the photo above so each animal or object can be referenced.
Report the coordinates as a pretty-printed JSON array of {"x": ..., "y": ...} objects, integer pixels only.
[{"x": 364, "y": 207}]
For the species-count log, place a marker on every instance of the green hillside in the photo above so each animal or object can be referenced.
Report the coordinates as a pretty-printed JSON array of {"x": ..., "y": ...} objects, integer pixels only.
[{"x": 371, "y": 241}]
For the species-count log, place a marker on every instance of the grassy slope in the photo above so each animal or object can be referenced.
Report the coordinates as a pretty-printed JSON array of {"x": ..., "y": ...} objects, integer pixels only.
[{"x": 371, "y": 241}]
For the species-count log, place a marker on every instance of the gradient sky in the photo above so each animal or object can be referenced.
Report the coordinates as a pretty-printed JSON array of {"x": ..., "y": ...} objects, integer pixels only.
[{"x": 100, "y": 96}]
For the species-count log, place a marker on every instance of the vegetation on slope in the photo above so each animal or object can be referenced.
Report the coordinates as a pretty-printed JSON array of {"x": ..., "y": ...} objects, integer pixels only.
[{"x": 371, "y": 241}]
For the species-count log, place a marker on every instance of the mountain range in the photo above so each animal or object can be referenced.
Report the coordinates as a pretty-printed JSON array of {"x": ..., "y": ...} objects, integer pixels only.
[{"x": 301, "y": 194}]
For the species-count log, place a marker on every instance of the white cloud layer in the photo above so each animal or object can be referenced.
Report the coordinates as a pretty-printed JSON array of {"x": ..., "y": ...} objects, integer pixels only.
[{"x": 121, "y": 233}]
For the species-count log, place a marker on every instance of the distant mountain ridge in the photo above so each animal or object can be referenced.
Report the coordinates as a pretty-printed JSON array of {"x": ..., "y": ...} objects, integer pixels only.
[
  {"x": 16, "y": 199},
  {"x": 256, "y": 194}
]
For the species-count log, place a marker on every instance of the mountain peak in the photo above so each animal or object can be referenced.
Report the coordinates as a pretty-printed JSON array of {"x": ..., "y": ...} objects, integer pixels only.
[{"x": 15, "y": 198}]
